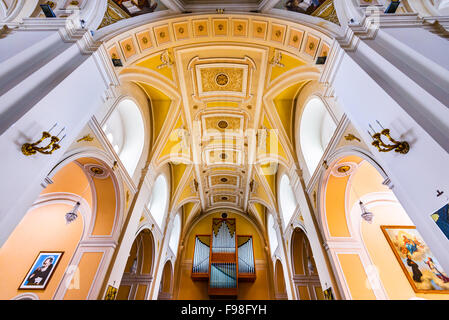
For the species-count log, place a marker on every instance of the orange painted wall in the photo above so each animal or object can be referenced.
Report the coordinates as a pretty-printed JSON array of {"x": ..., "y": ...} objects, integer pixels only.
[
  {"x": 197, "y": 290},
  {"x": 42, "y": 229},
  {"x": 356, "y": 277},
  {"x": 71, "y": 179},
  {"x": 88, "y": 267}
]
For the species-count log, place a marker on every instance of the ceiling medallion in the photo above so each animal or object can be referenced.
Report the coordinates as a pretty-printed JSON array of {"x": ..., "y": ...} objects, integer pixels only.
[
  {"x": 96, "y": 171},
  {"x": 222, "y": 79},
  {"x": 220, "y": 27},
  {"x": 222, "y": 124},
  {"x": 224, "y": 180},
  {"x": 224, "y": 198},
  {"x": 223, "y": 156},
  {"x": 343, "y": 169}
]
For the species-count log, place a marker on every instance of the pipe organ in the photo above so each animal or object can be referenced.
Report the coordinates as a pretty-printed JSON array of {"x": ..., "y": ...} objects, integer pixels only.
[{"x": 223, "y": 258}]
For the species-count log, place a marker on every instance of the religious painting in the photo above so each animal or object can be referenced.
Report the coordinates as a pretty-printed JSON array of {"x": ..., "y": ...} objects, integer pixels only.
[
  {"x": 137, "y": 7},
  {"x": 41, "y": 271},
  {"x": 419, "y": 264},
  {"x": 301, "y": 6},
  {"x": 441, "y": 218},
  {"x": 111, "y": 293}
]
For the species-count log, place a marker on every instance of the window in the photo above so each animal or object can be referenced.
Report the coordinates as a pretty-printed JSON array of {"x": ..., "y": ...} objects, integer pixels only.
[
  {"x": 126, "y": 133},
  {"x": 287, "y": 199},
  {"x": 316, "y": 130},
  {"x": 159, "y": 199},
  {"x": 176, "y": 232}
]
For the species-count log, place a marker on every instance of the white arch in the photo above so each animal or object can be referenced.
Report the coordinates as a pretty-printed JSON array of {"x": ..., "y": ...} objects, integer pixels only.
[
  {"x": 159, "y": 200},
  {"x": 316, "y": 130},
  {"x": 125, "y": 131},
  {"x": 175, "y": 234},
  {"x": 287, "y": 200}
]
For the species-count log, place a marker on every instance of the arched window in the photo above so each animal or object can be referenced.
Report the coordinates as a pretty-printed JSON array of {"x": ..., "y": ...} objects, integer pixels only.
[
  {"x": 272, "y": 234},
  {"x": 176, "y": 232},
  {"x": 125, "y": 131},
  {"x": 316, "y": 130},
  {"x": 287, "y": 199},
  {"x": 159, "y": 200}
]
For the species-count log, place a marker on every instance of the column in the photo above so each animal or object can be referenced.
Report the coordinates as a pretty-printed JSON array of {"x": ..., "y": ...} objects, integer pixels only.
[
  {"x": 50, "y": 73},
  {"x": 372, "y": 83}
]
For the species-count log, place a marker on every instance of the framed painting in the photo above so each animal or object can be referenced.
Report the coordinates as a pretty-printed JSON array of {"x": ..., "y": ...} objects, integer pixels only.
[
  {"x": 441, "y": 218},
  {"x": 42, "y": 269},
  {"x": 416, "y": 260}
]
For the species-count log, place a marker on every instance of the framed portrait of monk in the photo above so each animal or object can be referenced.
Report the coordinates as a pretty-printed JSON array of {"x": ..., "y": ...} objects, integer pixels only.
[
  {"x": 419, "y": 264},
  {"x": 42, "y": 269}
]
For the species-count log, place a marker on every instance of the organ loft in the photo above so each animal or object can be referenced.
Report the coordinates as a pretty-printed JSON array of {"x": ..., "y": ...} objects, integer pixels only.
[{"x": 223, "y": 258}]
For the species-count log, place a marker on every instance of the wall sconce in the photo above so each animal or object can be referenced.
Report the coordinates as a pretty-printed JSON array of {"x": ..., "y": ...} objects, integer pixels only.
[
  {"x": 29, "y": 149},
  {"x": 398, "y": 146}
]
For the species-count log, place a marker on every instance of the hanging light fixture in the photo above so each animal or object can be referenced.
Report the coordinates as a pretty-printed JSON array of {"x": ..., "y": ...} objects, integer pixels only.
[
  {"x": 366, "y": 215},
  {"x": 72, "y": 215}
]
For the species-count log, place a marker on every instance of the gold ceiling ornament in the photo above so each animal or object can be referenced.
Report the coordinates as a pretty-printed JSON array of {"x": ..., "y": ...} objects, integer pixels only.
[
  {"x": 276, "y": 59},
  {"x": 97, "y": 170},
  {"x": 343, "y": 169},
  {"x": 230, "y": 124},
  {"x": 166, "y": 59},
  {"x": 87, "y": 138},
  {"x": 223, "y": 180},
  {"x": 222, "y": 79},
  {"x": 222, "y": 124},
  {"x": 351, "y": 137}
]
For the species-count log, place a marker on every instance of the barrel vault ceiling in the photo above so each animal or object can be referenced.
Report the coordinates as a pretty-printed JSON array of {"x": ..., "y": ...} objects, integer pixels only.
[{"x": 222, "y": 92}]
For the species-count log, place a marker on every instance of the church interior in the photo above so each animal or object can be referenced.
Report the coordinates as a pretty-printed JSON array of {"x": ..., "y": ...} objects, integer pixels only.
[{"x": 204, "y": 150}]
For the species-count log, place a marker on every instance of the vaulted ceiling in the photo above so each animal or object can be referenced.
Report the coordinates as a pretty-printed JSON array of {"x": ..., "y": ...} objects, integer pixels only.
[{"x": 222, "y": 91}]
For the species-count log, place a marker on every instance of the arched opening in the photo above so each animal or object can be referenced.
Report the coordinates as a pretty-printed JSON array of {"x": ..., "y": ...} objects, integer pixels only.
[
  {"x": 281, "y": 292},
  {"x": 316, "y": 130},
  {"x": 166, "y": 286},
  {"x": 137, "y": 276},
  {"x": 305, "y": 274},
  {"x": 159, "y": 200},
  {"x": 380, "y": 254},
  {"x": 287, "y": 199},
  {"x": 272, "y": 237},
  {"x": 66, "y": 233},
  {"x": 125, "y": 131}
]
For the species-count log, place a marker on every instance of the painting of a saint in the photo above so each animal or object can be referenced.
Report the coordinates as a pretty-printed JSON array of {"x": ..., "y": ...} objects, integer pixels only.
[
  {"x": 416, "y": 260},
  {"x": 137, "y": 7},
  {"x": 441, "y": 218},
  {"x": 41, "y": 271}
]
